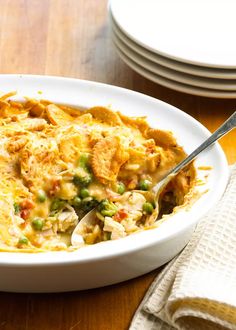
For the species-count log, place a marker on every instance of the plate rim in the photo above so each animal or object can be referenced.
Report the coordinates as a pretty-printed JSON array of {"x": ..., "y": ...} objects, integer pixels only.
[
  {"x": 167, "y": 62},
  {"x": 164, "y": 54},
  {"x": 175, "y": 85},
  {"x": 174, "y": 74}
]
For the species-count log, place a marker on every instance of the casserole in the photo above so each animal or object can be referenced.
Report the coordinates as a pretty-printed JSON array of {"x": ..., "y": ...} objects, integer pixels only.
[
  {"x": 58, "y": 163},
  {"x": 118, "y": 260}
]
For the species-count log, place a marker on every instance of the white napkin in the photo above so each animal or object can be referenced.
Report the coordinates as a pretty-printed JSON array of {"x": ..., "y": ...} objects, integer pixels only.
[{"x": 197, "y": 289}]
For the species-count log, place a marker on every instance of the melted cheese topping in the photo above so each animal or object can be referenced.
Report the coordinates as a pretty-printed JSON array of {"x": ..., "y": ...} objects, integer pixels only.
[{"x": 57, "y": 163}]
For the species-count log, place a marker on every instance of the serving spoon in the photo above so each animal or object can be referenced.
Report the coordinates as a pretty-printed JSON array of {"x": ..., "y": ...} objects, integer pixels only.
[{"x": 228, "y": 125}]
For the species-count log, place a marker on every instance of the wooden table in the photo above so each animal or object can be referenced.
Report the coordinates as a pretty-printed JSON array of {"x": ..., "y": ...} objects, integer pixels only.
[{"x": 71, "y": 38}]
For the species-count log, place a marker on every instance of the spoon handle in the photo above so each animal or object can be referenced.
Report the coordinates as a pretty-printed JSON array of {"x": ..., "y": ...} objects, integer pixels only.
[{"x": 227, "y": 126}]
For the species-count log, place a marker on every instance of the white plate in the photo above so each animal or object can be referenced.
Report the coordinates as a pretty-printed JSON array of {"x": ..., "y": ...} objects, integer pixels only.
[
  {"x": 209, "y": 83},
  {"x": 194, "y": 90},
  {"x": 197, "y": 32},
  {"x": 113, "y": 261},
  {"x": 169, "y": 63}
]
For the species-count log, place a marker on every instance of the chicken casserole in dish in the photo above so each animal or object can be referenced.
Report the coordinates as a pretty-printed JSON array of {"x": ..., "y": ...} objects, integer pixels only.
[{"x": 58, "y": 163}]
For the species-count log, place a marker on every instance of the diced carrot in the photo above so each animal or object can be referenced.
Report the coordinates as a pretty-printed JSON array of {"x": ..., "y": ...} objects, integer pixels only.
[
  {"x": 55, "y": 187},
  {"x": 27, "y": 204},
  {"x": 25, "y": 214},
  {"x": 120, "y": 215}
]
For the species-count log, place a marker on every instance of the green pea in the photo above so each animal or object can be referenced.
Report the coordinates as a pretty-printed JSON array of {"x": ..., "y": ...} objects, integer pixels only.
[
  {"x": 23, "y": 240},
  {"x": 107, "y": 208},
  {"x": 57, "y": 204},
  {"x": 103, "y": 204},
  {"x": 41, "y": 197},
  {"x": 147, "y": 208},
  {"x": 82, "y": 180},
  {"x": 84, "y": 193},
  {"x": 76, "y": 201},
  {"x": 88, "y": 204},
  {"x": 37, "y": 224},
  {"x": 84, "y": 160},
  {"x": 16, "y": 208},
  {"x": 144, "y": 184},
  {"x": 108, "y": 213},
  {"x": 120, "y": 188}
]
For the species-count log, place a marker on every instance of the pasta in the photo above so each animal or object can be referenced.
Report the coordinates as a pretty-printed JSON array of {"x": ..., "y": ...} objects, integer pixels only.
[{"x": 57, "y": 163}]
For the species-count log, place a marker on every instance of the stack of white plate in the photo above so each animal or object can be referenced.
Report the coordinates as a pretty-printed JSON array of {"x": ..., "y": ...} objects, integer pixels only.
[{"x": 186, "y": 45}]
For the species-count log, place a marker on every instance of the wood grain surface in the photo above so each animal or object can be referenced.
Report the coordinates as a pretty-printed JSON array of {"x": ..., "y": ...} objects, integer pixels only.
[{"x": 71, "y": 38}]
